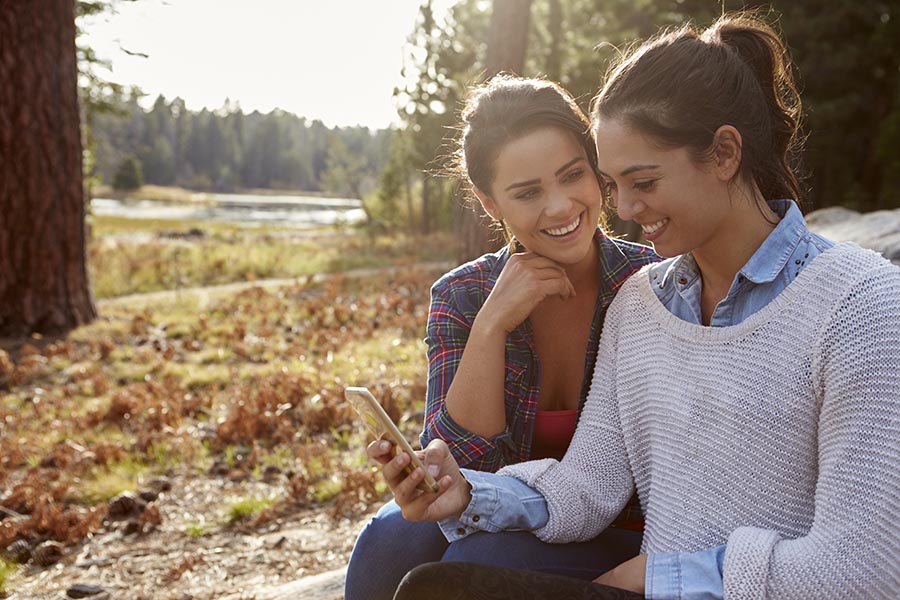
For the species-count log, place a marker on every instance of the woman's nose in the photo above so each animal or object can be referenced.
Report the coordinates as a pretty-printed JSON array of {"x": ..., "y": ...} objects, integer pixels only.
[
  {"x": 559, "y": 204},
  {"x": 627, "y": 206}
]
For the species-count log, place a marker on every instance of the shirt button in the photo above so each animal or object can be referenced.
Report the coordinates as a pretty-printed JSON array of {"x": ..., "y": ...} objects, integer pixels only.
[
  {"x": 460, "y": 531},
  {"x": 682, "y": 280},
  {"x": 740, "y": 279},
  {"x": 476, "y": 518}
]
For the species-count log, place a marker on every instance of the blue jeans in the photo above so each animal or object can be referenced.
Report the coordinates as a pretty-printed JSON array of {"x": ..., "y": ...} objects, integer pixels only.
[{"x": 389, "y": 546}]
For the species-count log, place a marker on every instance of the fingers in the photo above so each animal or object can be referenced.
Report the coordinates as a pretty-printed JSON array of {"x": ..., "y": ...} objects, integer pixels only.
[
  {"x": 380, "y": 451},
  {"x": 544, "y": 269},
  {"x": 403, "y": 482},
  {"x": 436, "y": 452}
]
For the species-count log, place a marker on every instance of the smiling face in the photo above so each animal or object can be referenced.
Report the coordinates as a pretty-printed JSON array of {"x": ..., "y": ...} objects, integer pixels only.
[
  {"x": 681, "y": 206},
  {"x": 544, "y": 190}
]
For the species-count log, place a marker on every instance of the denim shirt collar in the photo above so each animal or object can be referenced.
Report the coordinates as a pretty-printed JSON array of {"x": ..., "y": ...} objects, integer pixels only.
[{"x": 771, "y": 257}]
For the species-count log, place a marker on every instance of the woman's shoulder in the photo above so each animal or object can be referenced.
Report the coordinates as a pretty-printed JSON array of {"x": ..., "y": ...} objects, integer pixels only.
[
  {"x": 477, "y": 275},
  {"x": 844, "y": 266},
  {"x": 621, "y": 260},
  {"x": 618, "y": 254},
  {"x": 626, "y": 248}
]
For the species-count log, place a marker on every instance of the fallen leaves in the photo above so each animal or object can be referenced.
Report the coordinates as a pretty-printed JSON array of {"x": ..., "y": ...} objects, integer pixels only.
[{"x": 253, "y": 383}]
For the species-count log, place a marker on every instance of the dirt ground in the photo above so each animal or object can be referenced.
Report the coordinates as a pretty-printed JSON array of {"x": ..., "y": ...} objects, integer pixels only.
[{"x": 294, "y": 553}]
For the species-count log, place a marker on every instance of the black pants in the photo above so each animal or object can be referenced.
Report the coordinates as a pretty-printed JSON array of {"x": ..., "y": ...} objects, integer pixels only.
[{"x": 470, "y": 581}]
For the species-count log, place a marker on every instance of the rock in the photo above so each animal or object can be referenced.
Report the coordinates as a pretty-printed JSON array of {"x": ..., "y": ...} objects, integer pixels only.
[
  {"x": 148, "y": 496},
  {"x": 19, "y": 551},
  {"x": 126, "y": 504},
  {"x": 47, "y": 553},
  {"x": 271, "y": 474},
  {"x": 160, "y": 484},
  {"x": 324, "y": 586},
  {"x": 82, "y": 590},
  {"x": 879, "y": 230}
]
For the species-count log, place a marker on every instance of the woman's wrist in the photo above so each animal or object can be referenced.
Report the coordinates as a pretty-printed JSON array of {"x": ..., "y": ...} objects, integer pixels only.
[{"x": 487, "y": 326}]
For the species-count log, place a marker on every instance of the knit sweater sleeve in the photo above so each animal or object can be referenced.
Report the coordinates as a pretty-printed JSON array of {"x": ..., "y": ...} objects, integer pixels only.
[
  {"x": 852, "y": 549},
  {"x": 589, "y": 487}
]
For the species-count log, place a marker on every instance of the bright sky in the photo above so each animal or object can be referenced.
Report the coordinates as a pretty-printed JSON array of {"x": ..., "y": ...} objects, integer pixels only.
[{"x": 334, "y": 60}]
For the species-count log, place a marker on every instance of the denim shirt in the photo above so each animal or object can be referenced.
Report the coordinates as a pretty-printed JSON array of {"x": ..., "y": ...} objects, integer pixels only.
[{"x": 505, "y": 503}]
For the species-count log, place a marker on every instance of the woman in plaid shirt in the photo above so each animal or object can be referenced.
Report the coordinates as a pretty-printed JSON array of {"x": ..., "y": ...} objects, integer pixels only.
[{"x": 512, "y": 336}]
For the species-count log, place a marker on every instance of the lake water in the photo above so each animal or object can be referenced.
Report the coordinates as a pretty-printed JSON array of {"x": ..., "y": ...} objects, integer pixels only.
[{"x": 242, "y": 209}]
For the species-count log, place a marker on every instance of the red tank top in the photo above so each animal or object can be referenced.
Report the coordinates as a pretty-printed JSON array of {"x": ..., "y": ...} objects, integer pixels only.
[{"x": 553, "y": 430}]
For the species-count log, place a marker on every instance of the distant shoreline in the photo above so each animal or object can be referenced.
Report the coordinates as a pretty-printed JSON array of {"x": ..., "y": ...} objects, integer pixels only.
[{"x": 180, "y": 195}]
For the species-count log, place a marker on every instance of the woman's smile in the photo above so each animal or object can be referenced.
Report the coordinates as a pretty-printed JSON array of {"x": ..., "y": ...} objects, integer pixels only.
[{"x": 566, "y": 230}]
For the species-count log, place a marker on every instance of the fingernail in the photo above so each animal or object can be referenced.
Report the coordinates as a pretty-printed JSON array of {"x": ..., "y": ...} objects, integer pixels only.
[
  {"x": 384, "y": 445},
  {"x": 433, "y": 470}
]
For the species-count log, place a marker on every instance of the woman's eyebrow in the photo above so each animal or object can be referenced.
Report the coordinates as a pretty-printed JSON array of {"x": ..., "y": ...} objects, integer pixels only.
[
  {"x": 568, "y": 164},
  {"x": 631, "y": 169},
  {"x": 536, "y": 181},
  {"x": 522, "y": 184}
]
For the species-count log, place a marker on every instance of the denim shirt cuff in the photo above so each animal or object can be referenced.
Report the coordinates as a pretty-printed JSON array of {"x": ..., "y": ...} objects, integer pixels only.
[
  {"x": 685, "y": 576},
  {"x": 499, "y": 503},
  {"x": 484, "y": 501},
  {"x": 663, "y": 578}
]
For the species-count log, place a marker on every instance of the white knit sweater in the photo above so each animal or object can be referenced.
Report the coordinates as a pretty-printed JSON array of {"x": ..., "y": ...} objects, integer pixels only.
[{"x": 779, "y": 436}]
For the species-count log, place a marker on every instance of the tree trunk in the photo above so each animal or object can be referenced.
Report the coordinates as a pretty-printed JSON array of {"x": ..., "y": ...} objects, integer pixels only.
[
  {"x": 554, "y": 54},
  {"x": 44, "y": 284},
  {"x": 426, "y": 204},
  {"x": 507, "y": 44}
]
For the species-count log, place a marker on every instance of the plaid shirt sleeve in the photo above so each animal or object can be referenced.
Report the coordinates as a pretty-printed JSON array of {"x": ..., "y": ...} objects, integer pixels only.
[{"x": 447, "y": 333}]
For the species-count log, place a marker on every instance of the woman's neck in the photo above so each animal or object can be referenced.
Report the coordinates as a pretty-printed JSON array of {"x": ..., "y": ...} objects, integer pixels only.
[
  {"x": 584, "y": 274},
  {"x": 740, "y": 237}
]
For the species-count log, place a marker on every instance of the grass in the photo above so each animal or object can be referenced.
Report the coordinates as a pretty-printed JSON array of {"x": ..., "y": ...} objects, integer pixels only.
[
  {"x": 245, "y": 509},
  {"x": 197, "y": 528},
  {"x": 7, "y": 569},
  {"x": 225, "y": 254},
  {"x": 156, "y": 193},
  {"x": 248, "y": 379},
  {"x": 104, "y": 483}
]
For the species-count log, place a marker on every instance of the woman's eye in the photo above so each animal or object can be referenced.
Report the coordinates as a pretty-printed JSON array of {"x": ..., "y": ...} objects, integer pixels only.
[
  {"x": 645, "y": 185},
  {"x": 527, "y": 194},
  {"x": 573, "y": 175}
]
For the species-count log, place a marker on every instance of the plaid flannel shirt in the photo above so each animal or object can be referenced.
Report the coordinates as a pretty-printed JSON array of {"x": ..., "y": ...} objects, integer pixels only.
[{"x": 456, "y": 299}]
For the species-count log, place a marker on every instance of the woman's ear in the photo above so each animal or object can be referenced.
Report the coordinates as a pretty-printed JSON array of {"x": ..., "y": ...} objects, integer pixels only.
[
  {"x": 726, "y": 153},
  {"x": 490, "y": 207}
]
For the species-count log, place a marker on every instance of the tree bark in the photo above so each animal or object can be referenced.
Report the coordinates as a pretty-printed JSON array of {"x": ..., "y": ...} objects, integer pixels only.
[
  {"x": 555, "y": 27},
  {"x": 507, "y": 44},
  {"x": 44, "y": 285}
]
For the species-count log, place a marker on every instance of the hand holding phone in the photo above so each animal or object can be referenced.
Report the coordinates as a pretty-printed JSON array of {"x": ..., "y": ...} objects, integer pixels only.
[{"x": 380, "y": 426}]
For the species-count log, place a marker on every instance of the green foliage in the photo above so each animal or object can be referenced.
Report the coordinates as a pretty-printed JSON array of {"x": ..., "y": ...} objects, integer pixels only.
[
  {"x": 345, "y": 171},
  {"x": 847, "y": 52},
  {"x": 7, "y": 569},
  {"x": 129, "y": 175},
  {"x": 247, "y": 508}
]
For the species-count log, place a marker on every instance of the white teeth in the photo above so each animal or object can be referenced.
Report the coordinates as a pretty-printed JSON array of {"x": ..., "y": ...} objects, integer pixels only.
[
  {"x": 652, "y": 227},
  {"x": 565, "y": 230}
]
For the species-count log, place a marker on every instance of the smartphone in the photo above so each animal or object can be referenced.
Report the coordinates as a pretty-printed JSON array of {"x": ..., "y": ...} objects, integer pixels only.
[{"x": 380, "y": 425}]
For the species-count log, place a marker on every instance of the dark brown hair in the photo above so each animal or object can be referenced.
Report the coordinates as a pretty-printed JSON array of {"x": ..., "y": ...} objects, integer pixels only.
[
  {"x": 504, "y": 109},
  {"x": 682, "y": 85}
]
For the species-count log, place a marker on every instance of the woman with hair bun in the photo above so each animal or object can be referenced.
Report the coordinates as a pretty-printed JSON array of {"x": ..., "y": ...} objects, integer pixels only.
[
  {"x": 504, "y": 385},
  {"x": 748, "y": 386}
]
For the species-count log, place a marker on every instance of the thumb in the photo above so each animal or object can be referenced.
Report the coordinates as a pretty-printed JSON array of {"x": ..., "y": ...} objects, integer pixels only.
[{"x": 436, "y": 453}]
